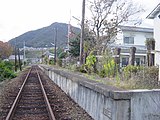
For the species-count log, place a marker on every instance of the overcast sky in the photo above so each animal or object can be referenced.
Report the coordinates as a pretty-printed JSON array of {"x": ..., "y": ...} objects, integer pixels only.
[{"x": 20, "y": 16}]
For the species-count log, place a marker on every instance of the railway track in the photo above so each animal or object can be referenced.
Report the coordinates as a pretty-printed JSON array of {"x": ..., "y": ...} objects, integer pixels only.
[
  {"x": 28, "y": 102},
  {"x": 31, "y": 103}
]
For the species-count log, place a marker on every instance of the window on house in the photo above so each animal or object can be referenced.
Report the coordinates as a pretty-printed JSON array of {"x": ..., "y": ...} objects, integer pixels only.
[
  {"x": 128, "y": 40},
  {"x": 125, "y": 62},
  {"x": 137, "y": 61}
]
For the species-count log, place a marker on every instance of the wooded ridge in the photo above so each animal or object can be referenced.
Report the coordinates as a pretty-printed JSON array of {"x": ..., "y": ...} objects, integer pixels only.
[{"x": 43, "y": 37}]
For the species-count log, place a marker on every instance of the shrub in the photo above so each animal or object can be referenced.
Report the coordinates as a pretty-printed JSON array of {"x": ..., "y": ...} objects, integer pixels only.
[
  {"x": 59, "y": 62},
  {"x": 106, "y": 65},
  {"x": 130, "y": 69},
  {"x": 8, "y": 73},
  {"x": 51, "y": 62},
  {"x": 90, "y": 62},
  {"x": 141, "y": 77},
  {"x": 6, "y": 70},
  {"x": 81, "y": 69},
  {"x": 102, "y": 73},
  {"x": 108, "y": 69},
  {"x": 148, "y": 77}
]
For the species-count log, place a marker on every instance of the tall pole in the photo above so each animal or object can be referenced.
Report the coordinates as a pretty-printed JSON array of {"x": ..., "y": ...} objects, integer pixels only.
[
  {"x": 24, "y": 53},
  {"x": 19, "y": 60},
  {"x": 69, "y": 30},
  {"x": 15, "y": 62},
  {"x": 82, "y": 33},
  {"x": 15, "y": 52},
  {"x": 68, "y": 34},
  {"x": 55, "y": 45}
]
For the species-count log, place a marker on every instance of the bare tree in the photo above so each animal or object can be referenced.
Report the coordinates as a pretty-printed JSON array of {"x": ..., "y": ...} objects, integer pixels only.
[
  {"x": 5, "y": 50},
  {"x": 89, "y": 41},
  {"x": 107, "y": 15}
]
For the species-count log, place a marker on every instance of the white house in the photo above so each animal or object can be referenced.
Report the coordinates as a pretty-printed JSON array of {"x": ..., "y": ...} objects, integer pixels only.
[
  {"x": 131, "y": 36},
  {"x": 155, "y": 14},
  {"x": 49, "y": 55}
]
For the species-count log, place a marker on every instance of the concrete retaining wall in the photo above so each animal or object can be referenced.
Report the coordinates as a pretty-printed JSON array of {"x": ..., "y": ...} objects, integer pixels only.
[{"x": 106, "y": 102}]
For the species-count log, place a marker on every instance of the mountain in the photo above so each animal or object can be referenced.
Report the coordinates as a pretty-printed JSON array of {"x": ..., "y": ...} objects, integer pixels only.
[{"x": 43, "y": 37}]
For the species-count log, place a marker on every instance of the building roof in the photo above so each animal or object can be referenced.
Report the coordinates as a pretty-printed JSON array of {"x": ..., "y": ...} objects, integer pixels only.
[
  {"x": 48, "y": 53},
  {"x": 154, "y": 13},
  {"x": 12, "y": 57},
  {"x": 136, "y": 29}
]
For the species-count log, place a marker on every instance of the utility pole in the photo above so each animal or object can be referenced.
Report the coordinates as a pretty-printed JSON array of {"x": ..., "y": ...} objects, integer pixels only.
[
  {"x": 55, "y": 45},
  {"x": 15, "y": 62},
  {"x": 42, "y": 55},
  {"x": 15, "y": 52},
  {"x": 19, "y": 60},
  {"x": 82, "y": 33},
  {"x": 69, "y": 30},
  {"x": 24, "y": 53}
]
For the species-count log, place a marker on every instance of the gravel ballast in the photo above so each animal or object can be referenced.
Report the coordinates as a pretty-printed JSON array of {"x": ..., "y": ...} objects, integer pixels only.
[{"x": 61, "y": 103}]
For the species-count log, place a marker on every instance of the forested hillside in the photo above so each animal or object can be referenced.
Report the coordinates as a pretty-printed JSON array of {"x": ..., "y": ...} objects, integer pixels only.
[{"x": 44, "y": 36}]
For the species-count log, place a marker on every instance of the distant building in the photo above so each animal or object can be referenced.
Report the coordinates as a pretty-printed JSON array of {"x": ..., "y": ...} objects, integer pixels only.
[
  {"x": 131, "y": 36},
  {"x": 12, "y": 57},
  {"x": 49, "y": 55}
]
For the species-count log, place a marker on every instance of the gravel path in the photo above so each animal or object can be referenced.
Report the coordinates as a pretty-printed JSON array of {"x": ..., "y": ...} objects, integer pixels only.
[{"x": 7, "y": 88}]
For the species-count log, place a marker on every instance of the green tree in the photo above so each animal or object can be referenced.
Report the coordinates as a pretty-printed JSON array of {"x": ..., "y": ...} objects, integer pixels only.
[
  {"x": 61, "y": 53},
  {"x": 75, "y": 46}
]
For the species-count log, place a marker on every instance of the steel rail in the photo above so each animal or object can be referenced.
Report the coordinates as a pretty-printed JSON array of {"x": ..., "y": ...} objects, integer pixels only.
[
  {"x": 14, "y": 105},
  {"x": 51, "y": 115}
]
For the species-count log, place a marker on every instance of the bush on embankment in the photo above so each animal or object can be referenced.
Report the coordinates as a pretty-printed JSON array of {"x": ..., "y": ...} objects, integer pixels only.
[
  {"x": 141, "y": 77},
  {"x": 6, "y": 70}
]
